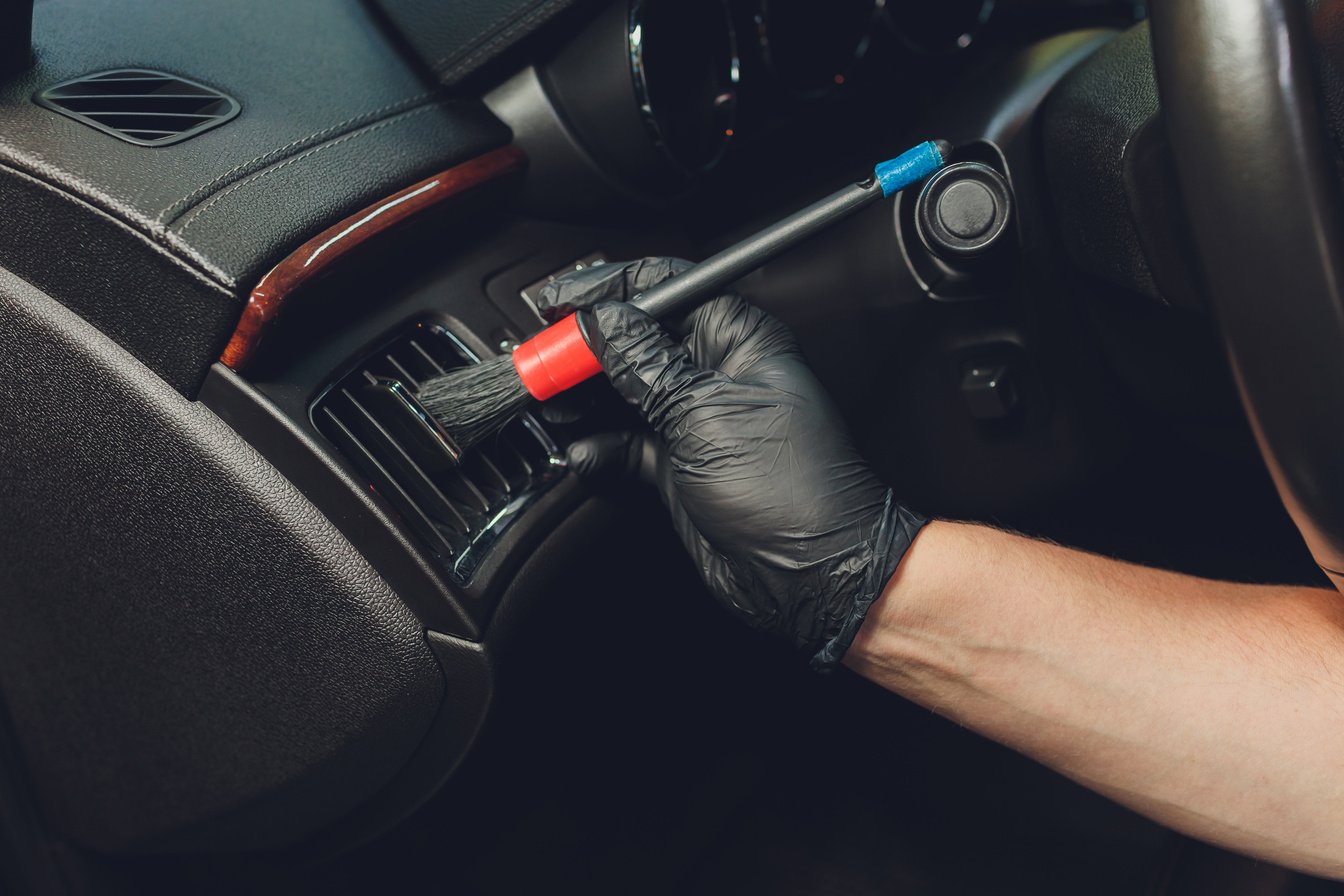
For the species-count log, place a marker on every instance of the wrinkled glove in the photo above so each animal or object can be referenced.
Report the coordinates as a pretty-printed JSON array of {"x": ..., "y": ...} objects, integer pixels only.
[
  {"x": 600, "y": 283},
  {"x": 789, "y": 526}
]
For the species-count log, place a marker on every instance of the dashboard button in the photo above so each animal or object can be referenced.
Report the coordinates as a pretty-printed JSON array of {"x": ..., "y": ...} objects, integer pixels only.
[{"x": 964, "y": 211}]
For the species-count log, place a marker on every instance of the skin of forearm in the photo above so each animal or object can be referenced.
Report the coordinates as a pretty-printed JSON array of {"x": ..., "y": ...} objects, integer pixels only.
[{"x": 1215, "y": 709}]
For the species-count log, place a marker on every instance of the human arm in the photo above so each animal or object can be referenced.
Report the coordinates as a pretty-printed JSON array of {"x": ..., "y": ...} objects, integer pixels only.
[
  {"x": 1215, "y": 709},
  {"x": 1210, "y": 707}
]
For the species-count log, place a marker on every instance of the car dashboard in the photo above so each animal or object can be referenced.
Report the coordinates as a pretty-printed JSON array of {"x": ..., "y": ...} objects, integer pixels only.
[{"x": 287, "y": 626}]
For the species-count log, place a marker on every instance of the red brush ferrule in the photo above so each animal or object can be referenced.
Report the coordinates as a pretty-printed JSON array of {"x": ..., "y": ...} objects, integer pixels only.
[{"x": 556, "y": 359}]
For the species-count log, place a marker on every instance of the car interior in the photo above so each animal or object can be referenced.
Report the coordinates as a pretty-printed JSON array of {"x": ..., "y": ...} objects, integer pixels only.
[{"x": 261, "y": 633}]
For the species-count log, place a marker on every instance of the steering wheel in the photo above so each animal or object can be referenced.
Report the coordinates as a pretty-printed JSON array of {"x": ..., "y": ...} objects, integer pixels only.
[{"x": 1260, "y": 186}]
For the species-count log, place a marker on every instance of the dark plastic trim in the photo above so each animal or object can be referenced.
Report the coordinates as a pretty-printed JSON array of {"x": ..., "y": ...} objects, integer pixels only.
[
  {"x": 342, "y": 497},
  {"x": 27, "y": 862},
  {"x": 769, "y": 52},
  {"x": 16, "y": 35},
  {"x": 469, "y": 671},
  {"x": 639, "y": 76}
]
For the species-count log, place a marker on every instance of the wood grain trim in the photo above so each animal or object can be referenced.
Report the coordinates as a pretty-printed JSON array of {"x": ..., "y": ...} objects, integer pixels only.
[{"x": 319, "y": 253}]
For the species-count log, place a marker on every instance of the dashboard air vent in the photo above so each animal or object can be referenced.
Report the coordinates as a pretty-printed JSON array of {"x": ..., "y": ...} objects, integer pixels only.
[
  {"x": 139, "y": 106},
  {"x": 457, "y": 504}
]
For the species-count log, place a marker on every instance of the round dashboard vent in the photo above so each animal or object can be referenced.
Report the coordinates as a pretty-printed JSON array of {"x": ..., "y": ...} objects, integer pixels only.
[{"x": 140, "y": 106}]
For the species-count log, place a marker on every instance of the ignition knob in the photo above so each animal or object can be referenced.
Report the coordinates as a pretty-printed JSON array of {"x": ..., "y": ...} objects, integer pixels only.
[{"x": 964, "y": 211}]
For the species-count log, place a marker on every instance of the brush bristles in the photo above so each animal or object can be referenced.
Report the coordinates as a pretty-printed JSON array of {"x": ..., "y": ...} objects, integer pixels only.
[{"x": 473, "y": 403}]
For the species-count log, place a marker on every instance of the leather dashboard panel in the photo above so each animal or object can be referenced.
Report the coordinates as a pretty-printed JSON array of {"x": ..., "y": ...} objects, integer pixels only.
[
  {"x": 158, "y": 247},
  {"x": 456, "y": 40}
]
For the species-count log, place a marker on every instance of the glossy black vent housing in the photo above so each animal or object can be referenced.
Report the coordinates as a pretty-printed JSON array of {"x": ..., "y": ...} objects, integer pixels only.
[
  {"x": 457, "y": 506},
  {"x": 140, "y": 106}
]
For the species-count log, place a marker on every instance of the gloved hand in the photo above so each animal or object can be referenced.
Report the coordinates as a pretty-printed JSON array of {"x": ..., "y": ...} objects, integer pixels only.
[
  {"x": 789, "y": 526},
  {"x": 600, "y": 283}
]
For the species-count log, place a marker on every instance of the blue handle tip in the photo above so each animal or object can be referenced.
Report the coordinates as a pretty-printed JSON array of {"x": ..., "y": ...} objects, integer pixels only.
[{"x": 911, "y": 167}]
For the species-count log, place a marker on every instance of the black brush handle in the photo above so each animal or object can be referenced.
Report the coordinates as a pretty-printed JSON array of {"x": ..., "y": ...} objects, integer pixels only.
[{"x": 709, "y": 278}]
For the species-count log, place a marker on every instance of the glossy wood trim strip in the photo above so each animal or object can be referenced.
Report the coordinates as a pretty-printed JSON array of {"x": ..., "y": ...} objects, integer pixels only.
[{"x": 319, "y": 253}]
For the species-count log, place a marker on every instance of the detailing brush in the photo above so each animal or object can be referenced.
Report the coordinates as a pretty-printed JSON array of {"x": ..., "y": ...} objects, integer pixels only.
[{"x": 472, "y": 403}]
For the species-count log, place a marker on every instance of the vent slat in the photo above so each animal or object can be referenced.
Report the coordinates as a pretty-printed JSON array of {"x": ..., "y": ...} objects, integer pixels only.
[
  {"x": 417, "y": 364},
  {"x": 487, "y": 470},
  {"x": 95, "y": 82},
  {"x": 413, "y": 478},
  {"x": 434, "y": 365},
  {"x": 527, "y": 444},
  {"x": 484, "y": 487},
  {"x": 445, "y": 349},
  {"x": 460, "y": 485},
  {"x": 138, "y": 106},
  {"x": 135, "y": 96},
  {"x": 385, "y": 483},
  {"x": 128, "y": 76},
  {"x": 511, "y": 458},
  {"x": 403, "y": 374},
  {"x": 123, "y": 114},
  {"x": 150, "y": 107}
]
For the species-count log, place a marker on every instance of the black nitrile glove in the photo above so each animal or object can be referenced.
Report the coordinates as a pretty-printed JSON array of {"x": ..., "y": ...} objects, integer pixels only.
[
  {"x": 619, "y": 282},
  {"x": 789, "y": 526}
]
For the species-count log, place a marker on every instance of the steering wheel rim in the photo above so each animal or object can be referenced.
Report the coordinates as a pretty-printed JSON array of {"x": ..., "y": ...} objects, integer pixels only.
[{"x": 1259, "y": 186}]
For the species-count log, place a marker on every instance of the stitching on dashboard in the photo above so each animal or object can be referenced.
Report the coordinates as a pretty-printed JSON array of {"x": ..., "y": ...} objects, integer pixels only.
[
  {"x": 158, "y": 250},
  {"x": 458, "y": 63},
  {"x": 107, "y": 207},
  {"x": 455, "y": 62},
  {"x": 200, "y": 212},
  {"x": 503, "y": 22},
  {"x": 181, "y": 206}
]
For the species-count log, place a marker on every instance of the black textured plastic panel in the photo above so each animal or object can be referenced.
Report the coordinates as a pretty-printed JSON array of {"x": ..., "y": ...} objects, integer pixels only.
[
  {"x": 1089, "y": 121},
  {"x": 141, "y": 106},
  {"x": 195, "y": 659}
]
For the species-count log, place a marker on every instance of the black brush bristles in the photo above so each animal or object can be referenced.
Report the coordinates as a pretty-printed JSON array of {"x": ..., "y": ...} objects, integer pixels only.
[{"x": 475, "y": 402}]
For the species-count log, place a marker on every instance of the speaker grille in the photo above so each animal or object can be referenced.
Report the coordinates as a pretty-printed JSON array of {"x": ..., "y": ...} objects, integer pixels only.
[{"x": 140, "y": 106}]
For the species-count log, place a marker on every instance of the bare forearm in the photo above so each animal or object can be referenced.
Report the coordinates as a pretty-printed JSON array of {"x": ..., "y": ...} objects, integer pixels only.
[{"x": 1215, "y": 709}]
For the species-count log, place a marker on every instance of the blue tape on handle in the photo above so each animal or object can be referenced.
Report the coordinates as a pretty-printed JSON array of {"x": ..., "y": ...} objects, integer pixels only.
[{"x": 909, "y": 168}]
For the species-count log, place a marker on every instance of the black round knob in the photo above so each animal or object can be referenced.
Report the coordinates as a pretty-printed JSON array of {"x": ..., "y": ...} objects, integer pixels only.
[{"x": 964, "y": 211}]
